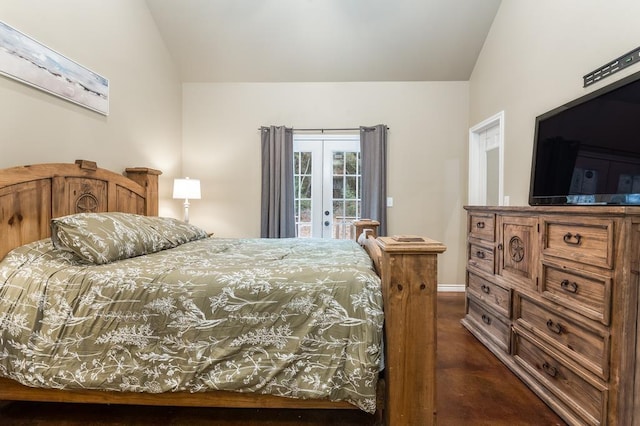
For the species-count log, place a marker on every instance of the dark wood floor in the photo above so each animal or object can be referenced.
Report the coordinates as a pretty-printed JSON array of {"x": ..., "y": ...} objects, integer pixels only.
[{"x": 474, "y": 388}]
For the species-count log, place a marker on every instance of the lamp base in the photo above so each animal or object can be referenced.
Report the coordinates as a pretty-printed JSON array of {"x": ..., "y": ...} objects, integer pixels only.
[{"x": 186, "y": 211}]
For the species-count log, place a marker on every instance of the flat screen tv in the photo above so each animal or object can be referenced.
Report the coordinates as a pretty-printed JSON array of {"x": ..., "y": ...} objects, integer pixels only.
[{"x": 588, "y": 151}]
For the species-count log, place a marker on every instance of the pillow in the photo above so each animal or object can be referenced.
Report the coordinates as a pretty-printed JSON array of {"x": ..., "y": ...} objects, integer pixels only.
[{"x": 105, "y": 237}]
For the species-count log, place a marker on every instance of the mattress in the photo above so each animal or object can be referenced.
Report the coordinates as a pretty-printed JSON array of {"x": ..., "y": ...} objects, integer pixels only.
[{"x": 298, "y": 318}]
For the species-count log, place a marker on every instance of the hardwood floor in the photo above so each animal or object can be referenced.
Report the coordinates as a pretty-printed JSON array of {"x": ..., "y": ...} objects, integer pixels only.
[{"x": 474, "y": 388}]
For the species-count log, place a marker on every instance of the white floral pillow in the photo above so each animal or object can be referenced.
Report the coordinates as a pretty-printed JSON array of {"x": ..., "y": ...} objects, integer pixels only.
[{"x": 105, "y": 237}]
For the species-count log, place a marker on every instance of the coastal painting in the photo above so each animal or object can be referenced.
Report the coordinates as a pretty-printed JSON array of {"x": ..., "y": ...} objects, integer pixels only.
[{"x": 30, "y": 62}]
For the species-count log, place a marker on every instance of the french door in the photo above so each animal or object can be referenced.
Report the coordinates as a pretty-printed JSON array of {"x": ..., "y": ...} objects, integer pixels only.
[{"x": 327, "y": 185}]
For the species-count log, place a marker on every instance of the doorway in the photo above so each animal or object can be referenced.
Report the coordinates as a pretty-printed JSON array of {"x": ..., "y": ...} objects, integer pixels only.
[
  {"x": 486, "y": 162},
  {"x": 327, "y": 184}
]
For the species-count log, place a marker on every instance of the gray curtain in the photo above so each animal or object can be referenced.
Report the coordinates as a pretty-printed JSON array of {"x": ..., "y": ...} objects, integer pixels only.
[
  {"x": 373, "y": 154},
  {"x": 277, "y": 212}
]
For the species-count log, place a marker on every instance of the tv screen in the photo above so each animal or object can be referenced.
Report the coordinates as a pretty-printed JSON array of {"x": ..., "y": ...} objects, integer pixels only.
[{"x": 588, "y": 151}]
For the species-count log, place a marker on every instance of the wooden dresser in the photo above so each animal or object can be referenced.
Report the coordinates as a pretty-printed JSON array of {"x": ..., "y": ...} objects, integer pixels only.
[{"x": 553, "y": 293}]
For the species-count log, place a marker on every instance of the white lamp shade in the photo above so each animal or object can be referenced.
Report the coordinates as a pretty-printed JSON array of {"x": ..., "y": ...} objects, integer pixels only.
[{"x": 186, "y": 188}]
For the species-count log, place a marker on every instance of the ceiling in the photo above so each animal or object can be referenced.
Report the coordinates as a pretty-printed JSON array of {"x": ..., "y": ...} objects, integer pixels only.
[{"x": 324, "y": 40}]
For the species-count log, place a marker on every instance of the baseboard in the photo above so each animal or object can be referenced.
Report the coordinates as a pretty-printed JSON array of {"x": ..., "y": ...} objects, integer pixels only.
[{"x": 451, "y": 287}]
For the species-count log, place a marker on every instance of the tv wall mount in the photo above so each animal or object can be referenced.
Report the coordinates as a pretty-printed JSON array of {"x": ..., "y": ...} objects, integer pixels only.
[{"x": 612, "y": 67}]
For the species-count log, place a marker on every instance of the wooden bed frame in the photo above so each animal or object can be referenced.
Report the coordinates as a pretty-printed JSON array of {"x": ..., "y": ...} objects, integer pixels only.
[{"x": 31, "y": 195}]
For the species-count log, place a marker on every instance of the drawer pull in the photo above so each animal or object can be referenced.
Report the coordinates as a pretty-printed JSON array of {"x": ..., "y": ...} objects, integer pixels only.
[
  {"x": 571, "y": 287},
  {"x": 480, "y": 254},
  {"x": 549, "y": 369},
  {"x": 574, "y": 240},
  {"x": 486, "y": 319},
  {"x": 480, "y": 225},
  {"x": 485, "y": 288},
  {"x": 554, "y": 327}
]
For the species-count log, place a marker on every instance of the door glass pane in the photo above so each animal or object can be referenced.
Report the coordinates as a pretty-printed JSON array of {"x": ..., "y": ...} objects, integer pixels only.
[
  {"x": 351, "y": 187},
  {"x": 305, "y": 162},
  {"x": 338, "y": 187},
  {"x": 338, "y": 163},
  {"x": 304, "y": 220},
  {"x": 351, "y": 162},
  {"x": 338, "y": 208},
  {"x": 305, "y": 186},
  {"x": 351, "y": 209}
]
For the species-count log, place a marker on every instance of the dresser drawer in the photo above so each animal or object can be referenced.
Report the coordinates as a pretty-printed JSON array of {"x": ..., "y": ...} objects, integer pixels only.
[
  {"x": 584, "y": 395},
  {"x": 586, "y": 346},
  {"x": 482, "y": 258},
  {"x": 482, "y": 226},
  {"x": 584, "y": 240},
  {"x": 494, "y": 325},
  {"x": 583, "y": 292},
  {"x": 494, "y": 296}
]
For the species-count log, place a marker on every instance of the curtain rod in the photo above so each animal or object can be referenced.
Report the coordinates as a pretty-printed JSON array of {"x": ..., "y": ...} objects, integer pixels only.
[
  {"x": 327, "y": 130},
  {"x": 323, "y": 130}
]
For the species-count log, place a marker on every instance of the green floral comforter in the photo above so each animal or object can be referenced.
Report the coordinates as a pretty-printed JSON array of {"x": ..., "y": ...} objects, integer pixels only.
[{"x": 290, "y": 317}]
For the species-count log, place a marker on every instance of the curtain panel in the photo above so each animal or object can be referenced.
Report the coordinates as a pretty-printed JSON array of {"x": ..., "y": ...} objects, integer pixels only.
[
  {"x": 373, "y": 154},
  {"x": 277, "y": 208}
]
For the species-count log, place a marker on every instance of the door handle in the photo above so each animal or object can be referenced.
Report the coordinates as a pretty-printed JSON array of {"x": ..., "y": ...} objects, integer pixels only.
[{"x": 327, "y": 223}]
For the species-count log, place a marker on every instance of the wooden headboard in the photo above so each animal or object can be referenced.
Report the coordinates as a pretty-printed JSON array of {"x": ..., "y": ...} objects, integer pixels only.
[{"x": 30, "y": 196}]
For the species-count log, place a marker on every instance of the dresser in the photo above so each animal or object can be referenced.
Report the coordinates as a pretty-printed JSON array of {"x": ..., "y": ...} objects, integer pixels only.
[{"x": 553, "y": 293}]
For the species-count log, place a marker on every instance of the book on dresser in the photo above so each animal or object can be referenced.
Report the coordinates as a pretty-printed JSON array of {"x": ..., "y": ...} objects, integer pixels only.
[{"x": 553, "y": 293}]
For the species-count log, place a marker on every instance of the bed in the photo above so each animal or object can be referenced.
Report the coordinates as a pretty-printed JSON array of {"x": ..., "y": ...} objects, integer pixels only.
[{"x": 31, "y": 196}]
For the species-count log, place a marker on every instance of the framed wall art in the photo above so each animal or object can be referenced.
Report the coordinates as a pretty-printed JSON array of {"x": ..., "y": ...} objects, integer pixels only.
[{"x": 31, "y": 62}]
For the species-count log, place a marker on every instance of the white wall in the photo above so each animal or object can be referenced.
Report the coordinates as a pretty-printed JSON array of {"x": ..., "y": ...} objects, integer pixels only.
[
  {"x": 427, "y": 150},
  {"x": 117, "y": 39},
  {"x": 533, "y": 60}
]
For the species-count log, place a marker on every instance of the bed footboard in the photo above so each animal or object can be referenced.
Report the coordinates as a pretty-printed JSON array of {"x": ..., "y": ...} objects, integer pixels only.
[
  {"x": 408, "y": 266},
  {"x": 409, "y": 288}
]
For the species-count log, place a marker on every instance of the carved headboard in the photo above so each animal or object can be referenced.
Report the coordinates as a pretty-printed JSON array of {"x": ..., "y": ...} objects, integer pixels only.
[{"x": 31, "y": 195}]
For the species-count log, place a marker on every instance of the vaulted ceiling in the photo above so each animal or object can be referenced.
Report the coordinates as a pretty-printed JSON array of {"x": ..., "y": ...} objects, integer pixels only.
[{"x": 324, "y": 40}]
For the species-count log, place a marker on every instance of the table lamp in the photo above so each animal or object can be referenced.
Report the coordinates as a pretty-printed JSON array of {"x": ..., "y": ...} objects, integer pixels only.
[{"x": 188, "y": 189}]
